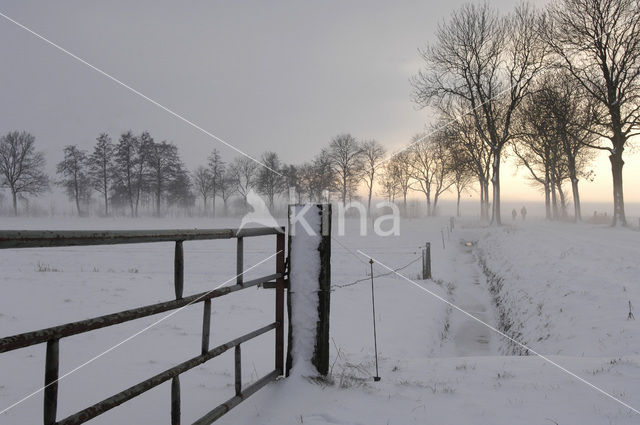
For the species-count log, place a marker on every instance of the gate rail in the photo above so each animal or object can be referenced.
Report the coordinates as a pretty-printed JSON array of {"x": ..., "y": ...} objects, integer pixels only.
[{"x": 51, "y": 336}]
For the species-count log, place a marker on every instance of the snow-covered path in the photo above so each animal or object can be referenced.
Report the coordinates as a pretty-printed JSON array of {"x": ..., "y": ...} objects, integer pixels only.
[{"x": 468, "y": 337}]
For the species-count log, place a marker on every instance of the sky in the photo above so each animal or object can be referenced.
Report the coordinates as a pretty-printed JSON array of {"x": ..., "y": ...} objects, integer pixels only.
[{"x": 280, "y": 76}]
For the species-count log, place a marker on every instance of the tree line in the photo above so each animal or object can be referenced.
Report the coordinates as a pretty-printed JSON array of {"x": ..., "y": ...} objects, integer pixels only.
[
  {"x": 549, "y": 87},
  {"x": 136, "y": 170}
]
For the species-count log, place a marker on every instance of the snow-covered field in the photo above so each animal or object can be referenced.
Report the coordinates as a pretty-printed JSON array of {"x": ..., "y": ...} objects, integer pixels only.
[{"x": 561, "y": 289}]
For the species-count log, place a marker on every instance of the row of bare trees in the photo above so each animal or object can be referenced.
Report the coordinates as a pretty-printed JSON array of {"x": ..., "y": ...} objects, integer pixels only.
[
  {"x": 341, "y": 168},
  {"x": 550, "y": 85},
  {"x": 432, "y": 165},
  {"x": 135, "y": 170}
]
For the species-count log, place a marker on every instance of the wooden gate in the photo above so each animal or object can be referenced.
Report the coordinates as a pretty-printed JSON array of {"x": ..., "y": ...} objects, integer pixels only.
[{"x": 52, "y": 336}]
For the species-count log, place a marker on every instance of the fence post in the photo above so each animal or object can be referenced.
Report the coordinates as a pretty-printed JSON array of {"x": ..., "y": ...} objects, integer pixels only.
[
  {"x": 426, "y": 261},
  {"x": 178, "y": 270},
  {"x": 52, "y": 363},
  {"x": 280, "y": 269},
  {"x": 206, "y": 326},
  {"x": 175, "y": 400},
  {"x": 309, "y": 288},
  {"x": 239, "y": 261}
]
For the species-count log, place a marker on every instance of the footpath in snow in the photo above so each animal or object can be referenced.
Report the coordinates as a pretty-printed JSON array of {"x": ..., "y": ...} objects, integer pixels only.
[{"x": 467, "y": 336}]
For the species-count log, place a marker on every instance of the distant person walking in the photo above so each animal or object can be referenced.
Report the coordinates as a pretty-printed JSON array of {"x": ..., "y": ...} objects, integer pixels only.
[
  {"x": 523, "y": 212},
  {"x": 514, "y": 214}
]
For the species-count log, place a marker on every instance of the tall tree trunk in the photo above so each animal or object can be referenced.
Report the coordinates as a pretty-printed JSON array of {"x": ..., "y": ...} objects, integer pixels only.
[
  {"x": 563, "y": 202},
  {"x": 158, "y": 200},
  {"x": 495, "y": 180},
  {"x": 369, "y": 201},
  {"x": 577, "y": 209},
  {"x": 554, "y": 200},
  {"x": 617, "y": 163},
  {"x": 547, "y": 194},
  {"x": 547, "y": 200},
  {"x": 482, "y": 195},
  {"x": 214, "y": 203},
  {"x": 106, "y": 198},
  {"x": 404, "y": 203},
  {"x": 428, "y": 195},
  {"x": 458, "y": 205},
  {"x": 486, "y": 199},
  {"x": 76, "y": 190},
  {"x": 15, "y": 202}
]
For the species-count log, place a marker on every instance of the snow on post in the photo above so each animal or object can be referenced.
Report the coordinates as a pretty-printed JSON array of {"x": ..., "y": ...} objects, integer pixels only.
[{"x": 310, "y": 289}]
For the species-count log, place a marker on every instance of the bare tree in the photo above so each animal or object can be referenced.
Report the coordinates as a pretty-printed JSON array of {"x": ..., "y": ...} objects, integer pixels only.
[
  {"x": 73, "y": 169},
  {"x": 243, "y": 175},
  {"x": 573, "y": 115},
  {"x": 217, "y": 171},
  {"x": 429, "y": 168},
  {"x": 490, "y": 62},
  {"x": 293, "y": 182},
  {"x": 461, "y": 125},
  {"x": 164, "y": 167},
  {"x": 203, "y": 182},
  {"x": 226, "y": 187},
  {"x": 461, "y": 167},
  {"x": 553, "y": 129},
  {"x": 21, "y": 166},
  {"x": 598, "y": 42},
  {"x": 400, "y": 165},
  {"x": 132, "y": 168},
  {"x": 101, "y": 168},
  {"x": 372, "y": 152},
  {"x": 318, "y": 176},
  {"x": 269, "y": 182},
  {"x": 388, "y": 182},
  {"x": 347, "y": 161}
]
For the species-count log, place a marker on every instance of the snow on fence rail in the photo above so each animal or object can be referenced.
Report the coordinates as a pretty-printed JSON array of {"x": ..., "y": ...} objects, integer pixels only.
[{"x": 51, "y": 336}]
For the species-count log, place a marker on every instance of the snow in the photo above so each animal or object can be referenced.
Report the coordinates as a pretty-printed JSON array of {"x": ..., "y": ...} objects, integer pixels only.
[
  {"x": 567, "y": 288},
  {"x": 305, "y": 270},
  {"x": 564, "y": 290}
]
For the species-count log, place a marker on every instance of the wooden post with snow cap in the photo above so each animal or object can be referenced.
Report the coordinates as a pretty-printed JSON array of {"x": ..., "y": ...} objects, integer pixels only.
[{"x": 309, "y": 295}]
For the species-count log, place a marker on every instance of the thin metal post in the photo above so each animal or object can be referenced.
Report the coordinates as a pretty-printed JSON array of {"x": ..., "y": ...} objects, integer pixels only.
[
  {"x": 175, "y": 400},
  {"x": 51, "y": 367},
  {"x": 240, "y": 261},
  {"x": 280, "y": 269},
  {"x": 179, "y": 270},
  {"x": 375, "y": 337},
  {"x": 206, "y": 326},
  {"x": 238, "y": 359}
]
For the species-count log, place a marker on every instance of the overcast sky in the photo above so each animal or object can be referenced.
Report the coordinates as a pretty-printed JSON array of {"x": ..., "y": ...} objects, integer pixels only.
[{"x": 281, "y": 76}]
